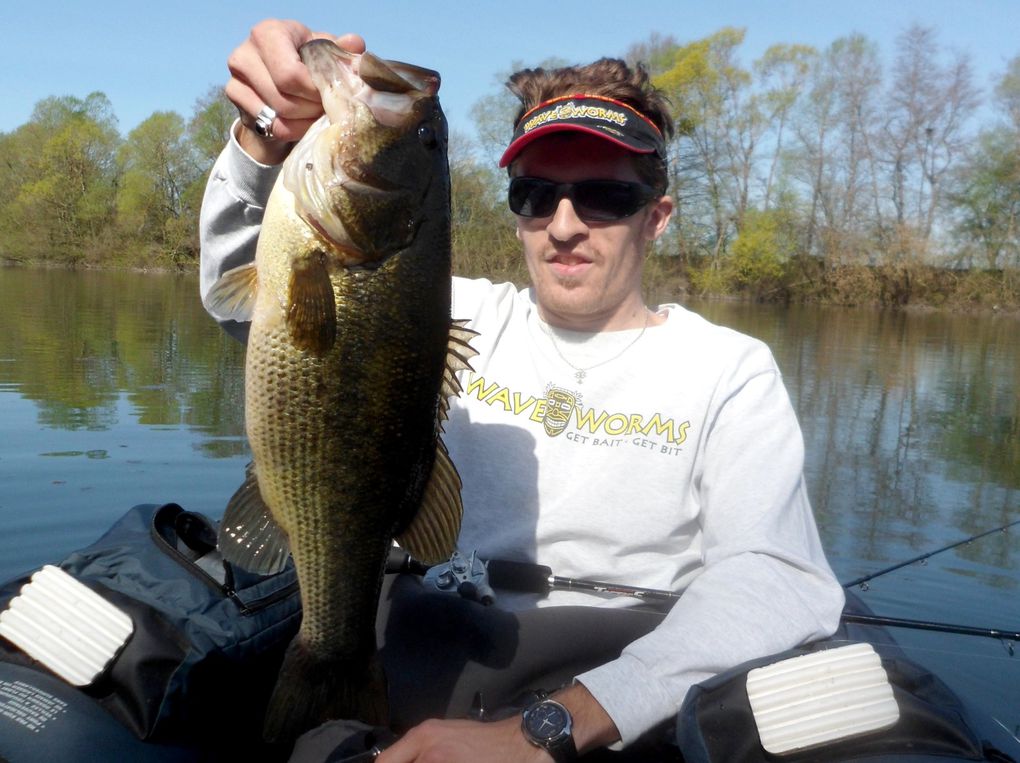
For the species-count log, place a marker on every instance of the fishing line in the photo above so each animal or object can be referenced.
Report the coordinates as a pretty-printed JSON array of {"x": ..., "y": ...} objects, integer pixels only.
[{"x": 899, "y": 565}]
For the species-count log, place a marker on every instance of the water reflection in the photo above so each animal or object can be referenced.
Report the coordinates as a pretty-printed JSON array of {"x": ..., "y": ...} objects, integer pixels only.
[
  {"x": 74, "y": 341},
  {"x": 115, "y": 389},
  {"x": 912, "y": 426}
]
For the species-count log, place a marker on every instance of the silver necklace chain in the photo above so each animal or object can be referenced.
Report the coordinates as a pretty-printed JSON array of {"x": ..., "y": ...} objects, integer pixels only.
[{"x": 581, "y": 373}]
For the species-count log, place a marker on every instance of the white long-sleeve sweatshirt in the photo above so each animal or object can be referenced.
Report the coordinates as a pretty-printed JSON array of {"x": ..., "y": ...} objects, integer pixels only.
[{"x": 676, "y": 463}]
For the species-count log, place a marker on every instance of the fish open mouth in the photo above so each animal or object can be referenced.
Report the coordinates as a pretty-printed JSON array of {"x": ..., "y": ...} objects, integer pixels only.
[
  {"x": 333, "y": 171},
  {"x": 388, "y": 88}
]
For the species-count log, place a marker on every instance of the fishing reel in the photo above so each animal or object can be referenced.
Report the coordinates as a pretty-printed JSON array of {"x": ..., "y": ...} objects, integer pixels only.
[{"x": 464, "y": 575}]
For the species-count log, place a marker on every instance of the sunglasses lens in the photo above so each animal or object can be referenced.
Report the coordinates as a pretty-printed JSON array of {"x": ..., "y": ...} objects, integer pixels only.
[
  {"x": 608, "y": 199},
  {"x": 532, "y": 197},
  {"x": 598, "y": 200}
]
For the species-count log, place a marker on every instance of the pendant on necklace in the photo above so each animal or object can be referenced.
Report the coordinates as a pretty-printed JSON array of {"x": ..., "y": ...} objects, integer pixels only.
[{"x": 580, "y": 375}]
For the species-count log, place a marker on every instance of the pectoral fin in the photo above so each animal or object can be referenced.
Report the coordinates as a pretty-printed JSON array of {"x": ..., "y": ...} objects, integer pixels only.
[
  {"x": 232, "y": 297},
  {"x": 311, "y": 307},
  {"x": 249, "y": 536}
]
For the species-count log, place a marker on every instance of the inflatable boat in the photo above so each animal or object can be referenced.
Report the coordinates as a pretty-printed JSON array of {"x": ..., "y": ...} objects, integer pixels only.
[{"x": 147, "y": 646}]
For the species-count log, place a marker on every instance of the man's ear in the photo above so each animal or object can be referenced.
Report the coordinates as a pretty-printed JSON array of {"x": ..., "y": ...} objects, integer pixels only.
[{"x": 658, "y": 218}]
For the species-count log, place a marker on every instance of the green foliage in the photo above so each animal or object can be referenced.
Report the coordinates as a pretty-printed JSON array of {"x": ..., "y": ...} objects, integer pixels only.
[
  {"x": 703, "y": 78},
  {"x": 484, "y": 240},
  {"x": 154, "y": 207},
  {"x": 1007, "y": 92},
  {"x": 988, "y": 199},
  {"x": 63, "y": 180},
  {"x": 209, "y": 128},
  {"x": 761, "y": 250},
  {"x": 76, "y": 192},
  {"x": 664, "y": 278},
  {"x": 718, "y": 124},
  {"x": 709, "y": 278},
  {"x": 757, "y": 261}
]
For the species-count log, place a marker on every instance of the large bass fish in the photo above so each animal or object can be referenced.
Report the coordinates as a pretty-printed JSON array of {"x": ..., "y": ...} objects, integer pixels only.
[{"x": 350, "y": 361}]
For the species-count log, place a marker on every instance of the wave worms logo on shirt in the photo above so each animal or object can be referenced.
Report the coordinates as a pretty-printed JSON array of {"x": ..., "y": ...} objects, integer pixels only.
[
  {"x": 562, "y": 409},
  {"x": 559, "y": 405}
]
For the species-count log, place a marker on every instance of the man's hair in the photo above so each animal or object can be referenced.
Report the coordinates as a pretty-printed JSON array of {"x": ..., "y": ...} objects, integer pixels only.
[{"x": 608, "y": 77}]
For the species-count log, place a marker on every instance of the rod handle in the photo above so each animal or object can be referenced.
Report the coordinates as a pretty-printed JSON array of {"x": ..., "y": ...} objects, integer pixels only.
[{"x": 519, "y": 576}]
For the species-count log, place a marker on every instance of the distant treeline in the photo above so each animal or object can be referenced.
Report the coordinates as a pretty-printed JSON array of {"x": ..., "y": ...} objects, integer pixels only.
[{"x": 808, "y": 175}]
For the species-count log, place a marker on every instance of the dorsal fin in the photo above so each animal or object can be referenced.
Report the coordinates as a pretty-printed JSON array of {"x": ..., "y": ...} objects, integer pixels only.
[{"x": 458, "y": 356}]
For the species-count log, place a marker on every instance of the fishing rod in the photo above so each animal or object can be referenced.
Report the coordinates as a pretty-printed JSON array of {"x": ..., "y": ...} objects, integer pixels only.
[
  {"x": 925, "y": 625},
  {"x": 537, "y": 578},
  {"x": 475, "y": 579},
  {"x": 862, "y": 580}
]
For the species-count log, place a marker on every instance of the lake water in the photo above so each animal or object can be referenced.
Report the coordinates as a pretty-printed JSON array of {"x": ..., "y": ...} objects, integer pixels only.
[{"x": 117, "y": 389}]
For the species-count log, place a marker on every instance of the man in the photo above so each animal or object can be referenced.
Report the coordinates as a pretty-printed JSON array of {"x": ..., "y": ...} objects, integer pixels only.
[{"x": 596, "y": 436}]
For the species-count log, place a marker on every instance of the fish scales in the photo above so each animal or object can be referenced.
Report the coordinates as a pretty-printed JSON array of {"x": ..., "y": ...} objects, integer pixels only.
[{"x": 367, "y": 413}]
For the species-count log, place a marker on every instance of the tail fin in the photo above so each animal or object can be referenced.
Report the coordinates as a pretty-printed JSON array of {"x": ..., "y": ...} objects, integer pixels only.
[{"x": 311, "y": 690}]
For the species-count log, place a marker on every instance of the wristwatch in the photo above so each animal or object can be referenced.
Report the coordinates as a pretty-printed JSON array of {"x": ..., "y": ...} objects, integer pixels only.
[{"x": 547, "y": 724}]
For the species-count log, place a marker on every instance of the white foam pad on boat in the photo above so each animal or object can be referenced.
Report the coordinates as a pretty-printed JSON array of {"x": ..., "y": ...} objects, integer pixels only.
[
  {"x": 821, "y": 698},
  {"x": 65, "y": 625}
]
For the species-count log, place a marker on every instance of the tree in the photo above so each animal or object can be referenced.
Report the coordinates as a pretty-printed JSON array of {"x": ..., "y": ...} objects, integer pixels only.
[
  {"x": 987, "y": 196},
  {"x": 484, "y": 244},
  {"x": 68, "y": 175},
  {"x": 718, "y": 131},
  {"x": 928, "y": 105},
  {"x": 17, "y": 150},
  {"x": 858, "y": 116},
  {"x": 765, "y": 245},
  {"x": 783, "y": 71},
  {"x": 158, "y": 166},
  {"x": 656, "y": 53},
  {"x": 836, "y": 158},
  {"x": 209, "y": 127},
  {"x": 988, "y": 199},
  {"x": 1007, "y": 93}
]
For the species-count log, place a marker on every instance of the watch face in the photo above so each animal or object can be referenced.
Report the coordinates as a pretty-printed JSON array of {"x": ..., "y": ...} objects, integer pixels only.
[{"x": 546, "y": 720}]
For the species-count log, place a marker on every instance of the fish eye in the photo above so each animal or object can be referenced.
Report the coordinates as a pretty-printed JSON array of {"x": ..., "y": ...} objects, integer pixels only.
[{"x": 427, "y": 135}]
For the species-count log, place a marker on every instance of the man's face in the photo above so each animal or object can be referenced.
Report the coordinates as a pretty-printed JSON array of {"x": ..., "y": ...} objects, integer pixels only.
[{"x": 586, "y": 275}]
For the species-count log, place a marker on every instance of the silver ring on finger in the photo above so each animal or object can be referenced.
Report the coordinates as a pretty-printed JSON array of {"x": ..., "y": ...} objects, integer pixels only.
[{"x": 264, "y": 122}]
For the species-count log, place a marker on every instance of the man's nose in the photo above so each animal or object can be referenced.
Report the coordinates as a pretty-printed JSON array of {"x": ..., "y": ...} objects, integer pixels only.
[{"x": 565, "y": 223}]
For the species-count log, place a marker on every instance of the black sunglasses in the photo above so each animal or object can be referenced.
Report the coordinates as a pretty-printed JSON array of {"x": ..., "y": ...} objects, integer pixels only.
[{"x": 597, "y": 200}]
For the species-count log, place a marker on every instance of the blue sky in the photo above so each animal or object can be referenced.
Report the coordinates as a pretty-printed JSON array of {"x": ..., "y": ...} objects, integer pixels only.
[{"x": 162, "y": 56}]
